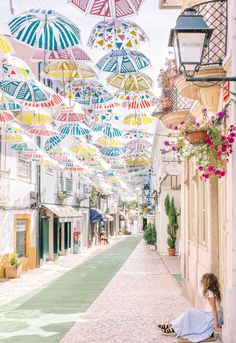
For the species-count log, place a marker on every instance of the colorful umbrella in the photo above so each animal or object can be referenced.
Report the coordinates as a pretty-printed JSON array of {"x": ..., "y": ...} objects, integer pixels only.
[
  {"x": 13, "y": 127},
  {"x": 54, "y": 101},
  {"x": 29, "y": 146},
  {"x": 5, "y": 47},
  {"x": 123, "y": 61},
  {"x": 138, "y": 144},
  {"x": 136, "y": 100},
  {"x": 16, "y": 138},
  {"x": 130, "y": 82},
  {"x": 75, "y": 53},
  {"x": 136, "y": 134},
  {"x": 108, "y": 142},
  {"x": 88, "y": 93},
  {"x": 112, "y": 151},
  {"x": 104, "y": 106},
  {"x": 44, "y": 29},
  {"x": 137, "y": 119},
  {"x": 33, "y": 155},
  {"x": 69, "y": 116},
  {"x": 16, "y": 68},
  {"x": 112, "y": 131},
  {"x": 140, "y": 161},
  {"x": 9, "y": 104},
  {"x": 73, "y": 129},
  {"x": 6, "y": 116},
  {"x": 67, "y": 70},
  {"x": 116, "y": 34},
  {"x": 108, "y": 8},
  {"x": 31, "y": 117},
  {"x": 52, "y": 142},
  {"x": 62, "y": 154},
  {"x": 43, "y": 130}
]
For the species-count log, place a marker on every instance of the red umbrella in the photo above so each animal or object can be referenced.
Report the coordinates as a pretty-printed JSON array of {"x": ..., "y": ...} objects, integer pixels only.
[
  {"x": 108, "y": 8},
  {"x": 70, "y": 116},
  {"x": 6, "y": 116}
]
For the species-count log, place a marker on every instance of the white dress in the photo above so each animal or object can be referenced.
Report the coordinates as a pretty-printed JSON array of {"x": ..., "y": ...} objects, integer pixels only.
[{"x": 197, "y": 325}]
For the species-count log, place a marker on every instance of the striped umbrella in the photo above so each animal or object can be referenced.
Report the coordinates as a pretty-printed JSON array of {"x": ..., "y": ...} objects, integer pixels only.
[
  {"x": 123, "y": 61},
  {"x": 108, "y": 8},
  {"x": 130, "y": 81},
  {"x": 137, "y": 119},
  {"x": 104, "y": 106},
  {"x": 67, "y": 70},
  {"x": 54, "y": 101},
  {"x": 74, "y": 53},
  {"x": 112, "y": 151},
  {"x": 9, "y": 104},
  {"x": 6, "y": 116},
  {"x": 111, "y": 131},
  {"x": 43, "y": 130},
  {"x": 88, "y": 93},
  {"x": 70, "y": 116},
  {"x": 137, "y": 161},
  {"x": 52, "y": 142},
  {"x": 31, "y": 117},
  {"x": 44, "y": 29},
  {"x": 97, "y": 127},
  {"x": 33, "y": 155},
  {"x": 73, "y": 129},
  {"x": 13, "y": 127},
  {"x": 116, "y": 34},
  {"x": 138, "y": 144}
]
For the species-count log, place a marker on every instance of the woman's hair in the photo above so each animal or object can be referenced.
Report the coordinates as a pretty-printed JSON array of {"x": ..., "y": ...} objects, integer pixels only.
[{"x": 210, "y": 283}]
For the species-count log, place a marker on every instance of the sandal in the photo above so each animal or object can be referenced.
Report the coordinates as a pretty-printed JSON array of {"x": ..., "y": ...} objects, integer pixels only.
[
  {"x": 169, "y": 332},
  {"x": 163, "y": 327}
]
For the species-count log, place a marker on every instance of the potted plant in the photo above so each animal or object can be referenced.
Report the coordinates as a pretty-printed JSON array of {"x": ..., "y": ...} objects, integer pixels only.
[
  {"x": 173, "y": 225},
  {"x": 150, "y": 235},
  {"x": 207, "y": 141},
  {"x": 14, "y": 268}
]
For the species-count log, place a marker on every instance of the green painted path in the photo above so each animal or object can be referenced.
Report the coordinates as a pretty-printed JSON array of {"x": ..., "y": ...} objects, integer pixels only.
[{"x": 47, "y": 315}]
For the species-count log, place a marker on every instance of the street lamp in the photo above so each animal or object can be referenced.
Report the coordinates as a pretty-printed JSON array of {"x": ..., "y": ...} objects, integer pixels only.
[
  {"x": 189, "y": 39},
  {"x": 146, "y": 190}
]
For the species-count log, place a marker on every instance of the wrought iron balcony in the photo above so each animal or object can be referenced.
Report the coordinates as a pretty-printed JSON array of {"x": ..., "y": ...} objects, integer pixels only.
[{"x": 65, "y": 187}]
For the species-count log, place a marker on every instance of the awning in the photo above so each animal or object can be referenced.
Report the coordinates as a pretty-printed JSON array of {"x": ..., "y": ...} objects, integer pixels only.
[
  {"x": 65, "y": 213},
  {"x": 96, "y": 215},
  {"x": 108, "y": 217}
]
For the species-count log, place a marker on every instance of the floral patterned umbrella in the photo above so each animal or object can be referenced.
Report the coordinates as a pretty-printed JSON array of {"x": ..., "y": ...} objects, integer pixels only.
[
  {"x": 136, "y": 100},
  {"x": 123, "y": 61},
  {"x": 44, "y": 29},
  {"x": 67, "y": 70},
  {"x": 116, "y": 34},
  {"x": 29, "y": 147},
  {"x": 74, "y": 53},
  {"x": 137, "y": 119},
  {"x": 108, "y": 8},
  {"x": 18, "y": 137},
  {"x": 89, "y": 93},
  {"x": 130, "y": 81},
  {"x": 32, "y": 117}
]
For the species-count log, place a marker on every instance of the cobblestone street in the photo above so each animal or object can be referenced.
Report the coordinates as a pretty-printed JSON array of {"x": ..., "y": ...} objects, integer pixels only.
[{"x": 141, "y": 294}]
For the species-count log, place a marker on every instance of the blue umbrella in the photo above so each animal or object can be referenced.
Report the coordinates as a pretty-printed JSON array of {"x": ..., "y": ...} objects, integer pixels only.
[
  {"x": 73, "y": 129},
  {"x": 44, "y": 29},
  {"x": 25, "y": 147},
  {"x": 53, "y": 141},
  {"x": 111, "y": 131},
  {"x": 123, "y": 61},
  {"x": 112, "y": 151},
  {"x": 8, "y": 104}
]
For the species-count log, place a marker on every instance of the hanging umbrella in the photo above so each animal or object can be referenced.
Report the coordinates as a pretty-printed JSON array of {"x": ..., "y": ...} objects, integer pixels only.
[
  {"x": 67, "y": 70},
  {"x": 136, "y": 100},
  {"x": 130, "y": 82},
  {"x": 123, "y": 61},
  {"x": 108, "y": 142},
  {"x": 6, "y": 116},
  {"x": 136, "y": 134},
  {"x": 16, "y": 138},
  {"x": 88, "y": 93},
  {"x": 52, "y": 142},
  {"x": 13, "y": 127},
  {"x": 31, "y": 117},
  {"x": 9, "y": 104},
  {"x": 44, "y": 29},
  {"x": 74, "y": 53},
  {"x": 97, "y": 127},
  {"x": 5, "y": 48},
  {"x": 73, "y": 129},
  {"x": 140, "y": 161},
  {"x": 54, "y": 101},
  {"x": 112, "y": 131},
  {"x": 138, "y": 144},
  {"x": 29, "y": 146},
  {"x": 108, "y": 8},
  {"x": 68, "y": 115},
  {"x": 33, "y": 155},
  {"x": 116, "y": 34},
  {"x": 16, "y": 68},
  {"x": 137, "y": 119},
  {"x": 43, "y": 130},
  {"x": 112, "y": 151},
  {"x": 62, "y": 154},
  {"x": 104, "y": 106}
]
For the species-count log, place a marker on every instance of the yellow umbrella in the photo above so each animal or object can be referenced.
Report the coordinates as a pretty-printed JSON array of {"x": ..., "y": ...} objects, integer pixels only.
[
  {"x": 68, "y": 70},
  {"x": 137, "y": 119},
  {"x": 130, "y": 81},
  {"x": 135, "y": 161},
  {"x": 85, "y": 149},
  {"x": 5, "y": 47},
  {"x": 109, "y": 142},
  {"x": 16, "y": 138},
  {"x": 36, "y": 117}
]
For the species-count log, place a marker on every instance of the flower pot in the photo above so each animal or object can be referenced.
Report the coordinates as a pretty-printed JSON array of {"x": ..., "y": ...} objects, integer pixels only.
[
  {"x": 171, "y": 252},
  {"x": 196, "y": 137},
  {"x": 166, "y": 103},
  {"x": 13, "y": 271}
]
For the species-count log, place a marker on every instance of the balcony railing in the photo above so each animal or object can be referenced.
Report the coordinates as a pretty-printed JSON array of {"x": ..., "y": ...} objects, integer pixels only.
[
  {"x": 65, "y": 187},
  {"x": 80, "y": 191}
]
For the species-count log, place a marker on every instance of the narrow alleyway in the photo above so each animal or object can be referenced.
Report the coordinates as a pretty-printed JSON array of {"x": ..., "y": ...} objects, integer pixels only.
[{"x": 84, "y": 306}]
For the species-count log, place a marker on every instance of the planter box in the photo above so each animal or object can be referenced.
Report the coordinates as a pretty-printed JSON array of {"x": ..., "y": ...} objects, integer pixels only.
[{"x": 13, "y": 271}]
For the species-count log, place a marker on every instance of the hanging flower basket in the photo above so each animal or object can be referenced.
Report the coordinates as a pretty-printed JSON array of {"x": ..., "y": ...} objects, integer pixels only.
[{"x": 196, "y": 137}]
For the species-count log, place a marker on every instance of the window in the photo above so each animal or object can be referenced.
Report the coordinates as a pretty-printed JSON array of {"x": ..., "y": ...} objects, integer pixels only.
[
  {"x": 24, "y": 167},
  {"x": 21, "y": 225}
]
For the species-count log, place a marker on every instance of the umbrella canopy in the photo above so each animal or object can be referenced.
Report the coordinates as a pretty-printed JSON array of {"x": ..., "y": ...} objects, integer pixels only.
[
  {"x": 91, "y": 92},
  {"x": 16, "y": 138},
  {"x": 112, "y": 151},
  {"x": 69, "y": 116},
  {"x": 138, "y": 144},
  {"x": 31, "y": 117},
  {"x": 62, "y": 154},
  {"x": 54, "y": 101},
  {"x": 5, "y": 47},
  {"x": 73, "y": 129},
  {"x": 137, "y": 119},
  {"x": 137, "y": 161},
  {"x": 29, "y": 146},
  {"x": 123, "y": 61},
  {"x": 74, "y": 53},
  {"x": 6, "y": 116},
  {"x": 109, "y": 142},
  {"x": 116, "y": 34},
  {"x": 52, "y": 142},
  {"x": 67, "y": 70},
  {"x": 108, "y": 8},
  {"x": 104, "y": 106},
  {"x": 130, "y": 82},
  {"x": 33, "y": 155},
  {"x": 43, "y": 130},
  {"x": 16, "y": 68},
  {"x": 131, "y": 134},
  {"x": 9, "y": 104},
  {"x": 136, "y": 100},
  {"x": 112, "y": 131},
  {"x": 44, "y": 29}
]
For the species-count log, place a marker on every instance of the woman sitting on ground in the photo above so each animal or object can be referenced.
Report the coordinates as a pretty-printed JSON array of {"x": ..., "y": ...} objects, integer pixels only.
[{"x": 198, "y": 325}]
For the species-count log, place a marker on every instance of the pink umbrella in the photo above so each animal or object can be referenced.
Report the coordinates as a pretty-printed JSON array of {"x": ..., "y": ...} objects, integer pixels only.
[
  {"x": 35, "y": 155},
  {"x": 74, "y": 54},
  {"x": 70, "y": 116},
  {"x": 43, "y": 130},
  {"x": 108, "y": 8},
  {"x": 6, "y": 116},
  {"x": 138, "y": 144},
  {"x": 138, "y": 104}
]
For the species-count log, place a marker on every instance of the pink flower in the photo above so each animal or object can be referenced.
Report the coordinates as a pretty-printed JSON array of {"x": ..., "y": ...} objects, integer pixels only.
[
  {"x": 200, "y": 168},
  {"x": 231, "y": 140},
  {"x": 223, "y": 173},
  {"x": 219, "y": 154},
  {"x": 209, "y": 143},
  {"x": 232, "y": 134},
  {"x": 207, "y": 138},
  {"x": 166, "y": 143},
  {"x": 174, "y": 148},
  {"x": 205, "y": 176},
  {"x": 223, "y": 138},
  {"x": 211, "y": 169}
]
